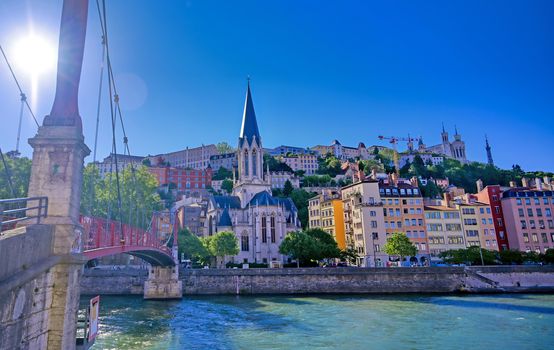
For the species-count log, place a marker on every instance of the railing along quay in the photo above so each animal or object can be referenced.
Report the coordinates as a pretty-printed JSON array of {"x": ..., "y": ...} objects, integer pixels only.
[{"x": 16, "y": 210}]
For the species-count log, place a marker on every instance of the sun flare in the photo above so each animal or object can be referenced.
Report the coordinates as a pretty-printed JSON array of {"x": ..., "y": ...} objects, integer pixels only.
[{"x": 34, "y": 55}]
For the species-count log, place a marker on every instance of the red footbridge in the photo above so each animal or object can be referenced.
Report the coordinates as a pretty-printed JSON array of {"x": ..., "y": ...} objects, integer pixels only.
[{"x": 108, "y": 237}]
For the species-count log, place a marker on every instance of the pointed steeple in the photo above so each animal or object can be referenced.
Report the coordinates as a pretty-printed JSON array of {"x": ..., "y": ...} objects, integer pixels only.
[
  {"x": 489, "y": 153},
  {"x": 443, "y": 131},
  {"x": 249, "y": 128},
  {"x": 456, "y": 130}
]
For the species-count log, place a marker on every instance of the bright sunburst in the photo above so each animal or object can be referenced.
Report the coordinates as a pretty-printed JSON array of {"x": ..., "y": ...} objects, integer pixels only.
[{"x": 34, "y": 55}]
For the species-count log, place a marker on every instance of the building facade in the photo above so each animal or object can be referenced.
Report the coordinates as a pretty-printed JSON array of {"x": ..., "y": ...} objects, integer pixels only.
[
  {"x": 123, "y": 161},
  {"x": 185, "y": 180},
  {"x": 492, "y": 195},
  {"x": 225, "y": 160},
  {"x": 284, "y": 150},
  {"x": 444, "y": 229},
  {"x": 343, "y": 152},
  {"x": 279, "y": 178},
  {"x": 528, "y": 218},
  {"x": 193, "y": 158},
  {"x": 403, "y": 211},
  {"x": 478, "y": 225},
  {"x": 304, "y": 162},
  {"x": 325, "y": 211},
  {"x": 259, "y": 220},
  {"x": 364, "y": 222}
]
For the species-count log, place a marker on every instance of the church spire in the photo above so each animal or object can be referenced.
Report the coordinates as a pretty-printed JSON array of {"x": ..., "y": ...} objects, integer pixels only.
[
  {"x": 249, "y": 128},
  {"x": 489, "y": 153}
]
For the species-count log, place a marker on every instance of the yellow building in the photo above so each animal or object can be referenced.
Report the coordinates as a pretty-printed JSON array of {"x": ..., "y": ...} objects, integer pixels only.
[
  {"x": 478, "y": 225},
  {"x": 326, "y": 212}
]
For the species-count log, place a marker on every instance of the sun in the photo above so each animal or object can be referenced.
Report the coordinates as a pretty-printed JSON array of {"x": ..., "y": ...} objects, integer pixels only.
[{"x": 34, "y": 55}]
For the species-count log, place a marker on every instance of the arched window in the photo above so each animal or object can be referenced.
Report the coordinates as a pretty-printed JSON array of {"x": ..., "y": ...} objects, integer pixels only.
[
  {"x": 244, "y": 242},
  {"x": 254, "y": 163},
  {"x": 264, "y": 229},
  {"x": 210, "y": 226},
  {"x": 246, "y": 163}
]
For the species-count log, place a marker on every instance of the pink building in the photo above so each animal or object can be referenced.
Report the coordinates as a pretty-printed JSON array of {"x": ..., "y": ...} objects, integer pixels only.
[{"x": 528, "y": 218}]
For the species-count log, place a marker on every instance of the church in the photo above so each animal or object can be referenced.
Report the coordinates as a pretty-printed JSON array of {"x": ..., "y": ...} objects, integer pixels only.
[
  {"x": 455, "y": 149},
  {"x": 259, "y": 220}
]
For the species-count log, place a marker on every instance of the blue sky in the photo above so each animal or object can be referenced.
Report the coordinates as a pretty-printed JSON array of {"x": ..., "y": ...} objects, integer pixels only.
[{"x": 320, "y": 70}]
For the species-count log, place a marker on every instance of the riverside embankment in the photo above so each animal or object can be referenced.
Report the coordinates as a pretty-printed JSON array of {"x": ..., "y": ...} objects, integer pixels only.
[{"x": 487, "y": 279}]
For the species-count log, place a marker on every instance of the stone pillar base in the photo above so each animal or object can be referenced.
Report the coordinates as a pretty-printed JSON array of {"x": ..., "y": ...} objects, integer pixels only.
[{"x": 163, "y": 283}]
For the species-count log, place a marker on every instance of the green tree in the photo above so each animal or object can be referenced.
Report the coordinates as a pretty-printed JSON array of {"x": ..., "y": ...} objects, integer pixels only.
[
  {"x": 309, "y": 245},
  {"x": 223, "y": 244},
  {"x": 300, "y": 197},
  {"x": 399, "y": 244},
  {"x": 227, "y": 185},
  {"x": 224, "y": 147},
  {"x": 191, "y": 247},
  {"x": 468, "y": 256},
  {"x": 222, "y": 174},
  {"x": 275, "y": 165},
  {"x": 510, "y": 257},
  {"x": 548, "y": 257},
  {"x": 19, "y": 171},
  {"x": 350, "y": 255},
  {"x": 139, "y": 198},
  {"x": 329, "y": 165},
  {"x": 287, "y": 189}
]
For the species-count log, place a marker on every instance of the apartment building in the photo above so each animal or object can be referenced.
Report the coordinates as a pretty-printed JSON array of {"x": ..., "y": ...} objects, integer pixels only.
[
  {"x": 185, "y": 180},
  {"x": 492, "y": 195},
  {"x": 444, "y": 229},
  {"x": 478, "y": 225},
  {"x": 305, "y": 162},
  {"x": 123, "y": 161},
  {"x": 193, "y": 158},
  {"x": 528, "y": 217},
  {"x": 403, "y": 211},
  {"x": 364, "y": 222},
  {"x": 325, "y": 211}
]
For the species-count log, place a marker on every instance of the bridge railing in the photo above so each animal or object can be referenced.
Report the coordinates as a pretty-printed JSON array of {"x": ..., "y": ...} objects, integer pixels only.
[
  {"x": 102, "y": 233},
  {"x": 16, "y": 210}
]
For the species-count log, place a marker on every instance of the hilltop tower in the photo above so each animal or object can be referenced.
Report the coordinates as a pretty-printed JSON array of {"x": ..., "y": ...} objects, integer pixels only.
[{"x": 489, "y": 153}]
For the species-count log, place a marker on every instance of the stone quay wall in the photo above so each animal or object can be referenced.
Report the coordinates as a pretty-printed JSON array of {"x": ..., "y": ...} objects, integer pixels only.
[
  {"x": 488, "y": 279},
  {"x": 26, "y": 286}
]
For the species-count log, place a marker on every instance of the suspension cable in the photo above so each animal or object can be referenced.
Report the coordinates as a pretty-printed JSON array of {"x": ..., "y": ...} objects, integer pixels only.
[
  {"x": 8, "y": 175},
  {"x": 18, "y": 86}
]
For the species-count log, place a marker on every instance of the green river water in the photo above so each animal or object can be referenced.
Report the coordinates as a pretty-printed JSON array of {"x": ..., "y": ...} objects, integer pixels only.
[{"x": 515, "y": 321}]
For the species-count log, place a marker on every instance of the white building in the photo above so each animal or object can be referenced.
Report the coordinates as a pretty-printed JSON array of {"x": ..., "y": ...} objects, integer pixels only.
[
  {"x": 279, "y": 178},
  {"x": 123, "y": 161},
  {"x": 305, "y": 162}
]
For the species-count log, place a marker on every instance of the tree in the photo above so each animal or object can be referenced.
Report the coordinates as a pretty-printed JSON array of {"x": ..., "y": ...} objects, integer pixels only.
[
  {"x": 309, "y": 245},
  {"x": 287, "y": 189},
  {"x": 222, "y": 174},
  {"x": 223, "y": 244},
  {"x": 300, "y": 197},
  {"x": 146, "y": 162},
  {"x": 548, "y": 257},
  {"x": 191, "y": 246},
  {"x": 19, "y": 171},
  {"x": 469, "y": 256},
  {"x": 227, "y": 185},
  {"x": 276, "y": 165},
  {"x": 329, "y": 165},
  {"x": 224, "y": 147},
  {"x": 399, "y": 244},
  {"x": 350, "y": 255},
  {"x": 510, "y": 257},
  {"x": 139, "y": 198}
]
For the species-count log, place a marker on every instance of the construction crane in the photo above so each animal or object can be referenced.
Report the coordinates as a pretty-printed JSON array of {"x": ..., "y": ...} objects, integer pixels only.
[{"x": 394, "y": 140}]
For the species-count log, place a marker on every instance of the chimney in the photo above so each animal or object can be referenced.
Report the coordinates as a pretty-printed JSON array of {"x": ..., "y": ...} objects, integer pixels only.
[
  {"x": 394, "y": 178},
  {"x": 447, "y": 198},
  {"x": 414, "y": 181},
  {"x": 479, "y": 185},
  {"x": 546, "y": 181},
  {"x": 361, "y": 175},
  {"x": 524, "y": 182},
  {"x": 374, "y": 174},
  {"x": 512, "y": 184},
  {"x": 538, "y": 183}
]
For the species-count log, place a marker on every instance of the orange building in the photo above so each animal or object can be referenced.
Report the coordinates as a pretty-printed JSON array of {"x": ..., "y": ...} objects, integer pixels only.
[{"x": 326, "y": 212}]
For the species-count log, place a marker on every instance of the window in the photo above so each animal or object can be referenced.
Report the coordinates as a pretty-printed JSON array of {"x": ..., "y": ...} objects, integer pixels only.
[
  {"x": 244, "y": 243},
  {"x": 535, "y": 238},
  {"x": 537, "y": 202},
  {"x": 532, "y": 224},
  {"x": 482, "y": 210},
  {"x": 246, "y": 163},
  {"x": 377, "y": 248},
  {"x": 526, "y": 237},
  {"x": 264, "y": 229},
  {"x": 406, "y": 222},
  {"x": 527, "y": 201},
  {"x": 499, "y": 222},
  {"x": 548, "y": 212},
  {"x": 372, "y": 213},
  {"x": 518, "y": 201},
  {"x": 545, "y": 201},
  {"x": 544, "y": 237},
  {"x": 520, "y": 212},
  {"x": 550, "y": 224},
  {"x": 374, "y": 223},
  {"x": 529, "y": 212},
  {"x": 272, "y": 221},
  {"x": 414, "y": 222},
  {"x": 497, "y": 209},
  {"x": 523, "y": 224}
]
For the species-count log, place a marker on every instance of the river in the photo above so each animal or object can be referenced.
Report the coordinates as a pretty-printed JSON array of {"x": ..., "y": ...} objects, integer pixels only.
[{"x": 515, "y": 321}]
